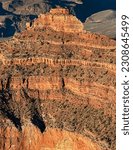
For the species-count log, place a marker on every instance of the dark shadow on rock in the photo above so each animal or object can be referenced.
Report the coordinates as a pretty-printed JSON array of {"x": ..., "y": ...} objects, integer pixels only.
[
  {"x": 35, "y": 115},
  {"x": 10, "y": 29},
  {"x": 90, "y": 7},
  {"x": 17, "y": 3},
  {"x": 11, "y": 25},
  {"x": 5, "y": 105},
  {"x": 37, "y": 120},
  {"x": 10, "y": 115},
  {"x": 62, "y": 3},
  {"x": 32, "y": 17},
  {"x": 2, "y": 32},
  {"x": 3, "y": 11}
]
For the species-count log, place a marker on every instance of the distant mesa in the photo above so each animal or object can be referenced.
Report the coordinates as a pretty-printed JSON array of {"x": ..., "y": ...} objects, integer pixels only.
[
  {"x": 103, "y": 22},
  {"x": 59, "y": 19}
]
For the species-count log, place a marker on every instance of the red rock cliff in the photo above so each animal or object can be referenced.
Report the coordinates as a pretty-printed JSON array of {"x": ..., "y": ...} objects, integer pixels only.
[
  {"x": 57, "y": 87},
  {"x": 59, "y": 20}
]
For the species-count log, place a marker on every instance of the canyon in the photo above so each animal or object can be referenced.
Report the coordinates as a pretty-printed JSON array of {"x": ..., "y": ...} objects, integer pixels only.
[
  {"x": 57, "y": 86},
  {"x": 14, "y": 14}
]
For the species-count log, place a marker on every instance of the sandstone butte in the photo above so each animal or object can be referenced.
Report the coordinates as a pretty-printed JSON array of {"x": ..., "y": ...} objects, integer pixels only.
[{"x": 57, "y": 87}]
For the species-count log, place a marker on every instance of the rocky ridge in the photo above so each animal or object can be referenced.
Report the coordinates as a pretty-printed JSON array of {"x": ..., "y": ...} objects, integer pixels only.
[{"x": 59, "y": 83}]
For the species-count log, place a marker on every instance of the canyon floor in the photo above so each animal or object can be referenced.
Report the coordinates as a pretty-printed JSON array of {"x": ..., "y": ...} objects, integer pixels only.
[{"x": 57, "y": 87}]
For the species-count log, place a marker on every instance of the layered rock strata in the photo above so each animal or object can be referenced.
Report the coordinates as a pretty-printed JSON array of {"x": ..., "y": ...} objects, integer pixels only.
[
  {"x": 57, "y": 89},
  {"x": 59, "y": 21}
]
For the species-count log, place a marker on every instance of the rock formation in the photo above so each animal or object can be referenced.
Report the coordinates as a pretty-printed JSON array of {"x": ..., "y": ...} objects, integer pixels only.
[
  {"x": 57, "y": 87},
  {"x": 103, "y": 22},
  {"x": 59, "y": 20},
  {"x": 21, "y": 11}
]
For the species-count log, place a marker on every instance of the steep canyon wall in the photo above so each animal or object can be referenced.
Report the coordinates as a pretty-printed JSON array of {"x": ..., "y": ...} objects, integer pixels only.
[{"x": 57, "y": 87}]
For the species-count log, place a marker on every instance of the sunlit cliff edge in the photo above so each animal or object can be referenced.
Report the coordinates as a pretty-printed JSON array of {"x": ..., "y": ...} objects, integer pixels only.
[{"x": 57, "y": 87}]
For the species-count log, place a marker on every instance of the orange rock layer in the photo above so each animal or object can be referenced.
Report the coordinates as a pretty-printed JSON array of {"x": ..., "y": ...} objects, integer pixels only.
[
  {"x": 57, "y": 87},
  {"x": 52, "y": 139},
  {"x": 59, "y": 20}
]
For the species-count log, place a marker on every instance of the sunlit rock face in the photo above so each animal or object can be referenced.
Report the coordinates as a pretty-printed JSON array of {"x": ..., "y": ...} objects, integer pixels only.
[
  {"x": 57, "y": 87},
  {"x": 58, "y": 20},
  {"x": 53, "y": 139}
]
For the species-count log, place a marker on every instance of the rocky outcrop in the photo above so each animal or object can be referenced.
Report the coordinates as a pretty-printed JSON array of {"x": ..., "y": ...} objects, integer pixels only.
[
  {"x": 57, "y": 87},
  {"x": 63, "y": 140},
  {"x": 59, "y": 20}
]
